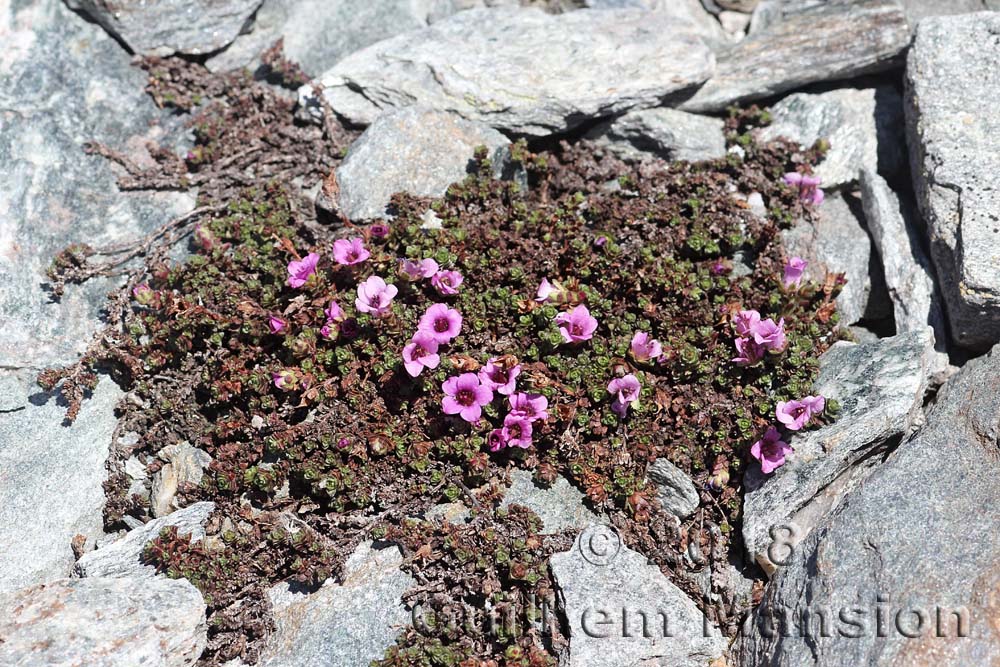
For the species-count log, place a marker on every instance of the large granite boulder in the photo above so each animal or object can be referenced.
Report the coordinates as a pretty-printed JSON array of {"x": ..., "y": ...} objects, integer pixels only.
[
  {"x": 906, "y": 570},
  {"x": 952, "y": 90},
  {"x": 830, "y": 41},
  {"x": 103, "y": 622},
  {"x": 880, "y": 387},
  {"x": 166, "y": 27},
  {"x": 521, "y": 70}
]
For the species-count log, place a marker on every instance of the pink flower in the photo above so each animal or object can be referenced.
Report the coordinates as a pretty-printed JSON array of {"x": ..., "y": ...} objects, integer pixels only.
[
  {"x": 300, "y": 270},
  {"x": 748, "y": 352},
  {"x": 719, "y": 267},
  {"x": 808, "y": 186},
  {"x": 276, "y": 323},
  {"x": 626, "y": 392},
  {"x": 143, "y": 294},
  {"x": 328, "y": 330},
  {"x": 285, "y": 380},
  {"x": 496, "y": 440},
  {"x": 645, "y": 348},
  {"x": 545, "y": 290},
  {"x": 530, "y": 406},
  {"x": 769, "y": 335},
  {"x": 577, "y": 325},
  {"x": 421, "y": 353},
  {"x": 415, "y": 270},
  {"x": 516, "y": 431},
  {"x": 770, "y": 451},
  {"x": 796, "y": 414},
  {"x": 499, "y": 379},
  {"x": 465, "y": 397},
  {"x": 447, "y": 282},
  {"x": 350, "y": 251},
  {"x": 745, "y": 322},
  {"x": 793, "y": 271},
  {"x": 441, "y": 322},
  {"x": 334, "y": 313},
  {"x": 374, "y": 296},
  {"x": 379, "y": 230}
]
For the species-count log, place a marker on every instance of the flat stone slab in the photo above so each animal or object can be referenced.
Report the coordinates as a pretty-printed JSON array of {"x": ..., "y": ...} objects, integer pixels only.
[
  {"x": 166, "y": 27},
  {"x": 665, "y": 133},
  {"x": 830, "y": 41},
  {"x": 103, "y": 622},
  {"x": 952, "y": 92},
  {"x": 560, "y": 507},
  {"x": 880, "y": 387},
  {"x": 352, "y": 623},
  {"x": 521, "y": 70},
  {"x": 622, "y": 611}
]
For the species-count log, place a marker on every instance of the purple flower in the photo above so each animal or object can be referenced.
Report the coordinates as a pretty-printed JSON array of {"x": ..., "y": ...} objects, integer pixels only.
[
  {"x": 299, "y": 270},
  {"x": 441, "y": 322},
  {"x": 577, "y": 325},
  {"x": 793, "y": 271},
  {"x": 745, "y": 322},
  {"x": 645, "y": 348},
  {"x": 328, "y": 330},
  {"x": 465, "y": 397},
  {"x": 447, "y": 282},
  {"x": 516, "y": 431},
  {"x": 748, "y": 352},
  {"x": 349, "y": 328},
  {"x": 415, "y": 270},
  {"x": 770, "y": 451},
  {"x": 143, "y": 294},
  {"x": 719, "y": 267},
  {"x": 545, "y": 290},
  {"x": 276, "y": 323},
  {"x": 285, "y": 380},
  {"x": 530, "y": 406},
  {"x": 374, "y": 296},
  {"x": 379, "y": 230},
  {"x": 498, "y": 378},
  {"x": 769, "y": 335},
  {"x": 334, "y": 313},
  {"x": 421, "y": 353},
  {"x": 350, "y": 251},
  {"x": 496, "y": 440},
  {"x": 626, "y": 392},
  {"x": 796, "y": 414},
  {"x": 808, "y": 186}
]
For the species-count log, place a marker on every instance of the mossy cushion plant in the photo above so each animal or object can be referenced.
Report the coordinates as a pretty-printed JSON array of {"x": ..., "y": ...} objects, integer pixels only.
[{"x": 346, "y": 378}]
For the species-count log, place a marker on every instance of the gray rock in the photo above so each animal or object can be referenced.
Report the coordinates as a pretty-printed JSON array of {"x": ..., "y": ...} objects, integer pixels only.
[
  {"x": 184, "y": 465},
  {"x": 832, "y": 41},
  {"x": 913, "y": 542},
  {"x": 50, "y": 481},
  {"x": 864, "y": 128},
  {"x": 122, "y": 558},
  {"x": 952, "y": 88},
  {"x": 64, "y": 82},
  {"x": 411, "y": 150},
  {"x": 351, "y": 623},
  {"x": 838, "y": 242},
  {"x": 665, "y": 133},
  {"x": 773, "y": 11},
  {"x": 318, "y": 33},
  {"x": 692, "y": 11},
  {"x": 880, "y": 387},
  {"x": 621, "y": 610},
  {"x": 103, "y": 623},
  {"x": 908, "y": 272},
  {"x": 520, "y": 70},
  {"x": 456, "y": 513},
  {"x": 560, "y": 507},
  {"x": 674, "y": 488},
  {"x": 167, "y": 27}
]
